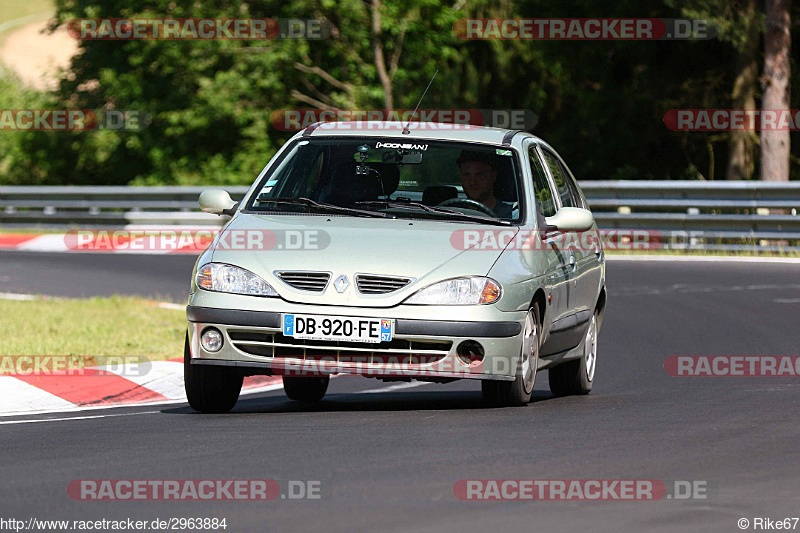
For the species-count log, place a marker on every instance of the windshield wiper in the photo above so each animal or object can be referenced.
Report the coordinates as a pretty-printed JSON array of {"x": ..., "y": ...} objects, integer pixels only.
[
  {"x": 435, "y": 210},
  {"x": 323, "y": 207}
]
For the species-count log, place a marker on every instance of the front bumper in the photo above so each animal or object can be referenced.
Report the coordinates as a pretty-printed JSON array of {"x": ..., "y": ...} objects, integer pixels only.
[{"x": 422, "y": 348}]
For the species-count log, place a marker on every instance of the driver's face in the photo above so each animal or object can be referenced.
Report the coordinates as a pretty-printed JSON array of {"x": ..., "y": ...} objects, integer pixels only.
[{"x": 478, "y": 180}]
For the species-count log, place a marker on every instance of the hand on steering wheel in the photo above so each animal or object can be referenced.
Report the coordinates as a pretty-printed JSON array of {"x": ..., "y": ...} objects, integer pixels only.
[{"x": 468, "y": 203}]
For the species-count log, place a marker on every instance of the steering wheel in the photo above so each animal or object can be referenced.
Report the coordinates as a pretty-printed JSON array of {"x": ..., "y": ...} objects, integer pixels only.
[{"x": 468, "y": 203}]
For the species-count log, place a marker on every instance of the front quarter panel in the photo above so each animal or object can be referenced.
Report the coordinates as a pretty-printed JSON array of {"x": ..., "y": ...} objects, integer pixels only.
[{"x": 520, "y": 273}]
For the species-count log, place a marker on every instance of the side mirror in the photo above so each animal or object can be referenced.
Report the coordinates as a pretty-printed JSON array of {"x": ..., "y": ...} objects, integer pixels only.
[
  {"x": 570, "y": 219},
  {"x": 217, "y": 202}
]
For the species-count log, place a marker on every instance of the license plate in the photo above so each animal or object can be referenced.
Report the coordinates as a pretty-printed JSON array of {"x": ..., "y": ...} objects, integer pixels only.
[{"x": 338, "y": 328}]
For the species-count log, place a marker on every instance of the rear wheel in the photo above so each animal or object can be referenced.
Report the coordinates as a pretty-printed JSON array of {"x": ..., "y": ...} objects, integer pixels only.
[
  {"x": 210, "y": 389},
  {"x": 305, "y": 389},
  {"x": 518, "y": 392},
  {"x": 576, "y": 376}
]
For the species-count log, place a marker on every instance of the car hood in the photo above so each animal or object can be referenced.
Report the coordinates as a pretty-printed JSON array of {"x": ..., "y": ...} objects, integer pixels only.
[{"x": 425, "y": 250}]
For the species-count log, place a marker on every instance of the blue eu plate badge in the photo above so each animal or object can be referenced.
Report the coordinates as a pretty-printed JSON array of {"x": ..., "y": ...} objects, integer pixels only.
[{"x": 386, "y": 330}]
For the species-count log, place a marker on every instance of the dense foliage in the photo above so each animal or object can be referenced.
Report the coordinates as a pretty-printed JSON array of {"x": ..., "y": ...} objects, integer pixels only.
[{"x": 601, "y": 103}]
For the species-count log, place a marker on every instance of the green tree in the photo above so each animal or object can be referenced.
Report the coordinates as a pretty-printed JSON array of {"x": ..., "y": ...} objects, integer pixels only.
[
  {"x": 601, "y": 103},
  {"x": 738, "y": 23}
]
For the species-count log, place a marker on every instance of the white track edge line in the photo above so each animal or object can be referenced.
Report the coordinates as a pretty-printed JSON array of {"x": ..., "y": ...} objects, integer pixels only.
[{"x": 79, "y": 408}]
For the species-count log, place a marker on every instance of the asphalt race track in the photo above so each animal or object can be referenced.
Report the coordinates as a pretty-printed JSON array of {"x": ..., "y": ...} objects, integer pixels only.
[
  {"x": 77, "y": 275},
  {"x": 387, "y": 461}
]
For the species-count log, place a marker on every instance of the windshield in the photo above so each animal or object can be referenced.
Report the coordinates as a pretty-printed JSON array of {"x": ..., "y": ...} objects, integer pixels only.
[{"x": 407, "y": 178}]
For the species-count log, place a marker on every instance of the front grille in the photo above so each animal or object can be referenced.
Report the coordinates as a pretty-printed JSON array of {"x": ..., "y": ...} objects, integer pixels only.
[
  {"x": 398, "y": 350},
  {"x": 372, "y": 284},
  {"x": 305, "y": 280}
]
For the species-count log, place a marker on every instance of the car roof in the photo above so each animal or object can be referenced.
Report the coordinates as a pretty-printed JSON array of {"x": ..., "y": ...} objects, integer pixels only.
[{"x": 419, "y": 131}]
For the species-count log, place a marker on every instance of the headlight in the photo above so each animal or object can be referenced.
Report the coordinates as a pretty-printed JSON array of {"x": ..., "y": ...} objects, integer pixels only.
[
  {"x": 220, "y": 277},
  {"x": 459, "y": 291}
]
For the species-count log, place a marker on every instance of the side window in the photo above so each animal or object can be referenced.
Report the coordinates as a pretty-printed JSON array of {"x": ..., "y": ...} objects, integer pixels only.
[
  {"x": 580, "y": 199},
  {"x": 577, "y": 194},
  {"x": 569, "y": 196},
  {"x": 541, "y": 187}
]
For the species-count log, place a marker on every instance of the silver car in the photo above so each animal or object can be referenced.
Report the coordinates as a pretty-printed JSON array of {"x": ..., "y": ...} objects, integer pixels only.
[{"x": 436, "y": 253}]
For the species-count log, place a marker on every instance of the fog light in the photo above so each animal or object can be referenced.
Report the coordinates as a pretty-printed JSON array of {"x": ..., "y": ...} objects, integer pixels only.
[
  {"x": 211, "y": 339},
  {"x": 470, "y": 353}
]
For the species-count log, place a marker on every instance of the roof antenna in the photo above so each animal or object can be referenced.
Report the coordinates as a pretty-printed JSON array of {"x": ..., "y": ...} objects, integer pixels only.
[{"x": 406, "y": 131}]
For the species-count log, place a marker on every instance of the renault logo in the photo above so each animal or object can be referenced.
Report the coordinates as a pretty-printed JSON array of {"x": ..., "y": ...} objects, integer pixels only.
[{"x": 341, "y": 283}]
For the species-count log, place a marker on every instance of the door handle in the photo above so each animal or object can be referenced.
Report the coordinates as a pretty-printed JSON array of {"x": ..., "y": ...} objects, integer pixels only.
[{"x": 572, "y": 261}]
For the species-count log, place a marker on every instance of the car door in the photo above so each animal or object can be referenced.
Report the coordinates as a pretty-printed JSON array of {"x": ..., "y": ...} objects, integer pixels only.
[
  {"x": 583, "y": 256},
  {"x": 590, "y": 259},
  {"x": 558, "y": 269}
]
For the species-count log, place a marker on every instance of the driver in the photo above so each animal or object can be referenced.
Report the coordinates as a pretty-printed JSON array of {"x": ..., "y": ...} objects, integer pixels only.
[{"x": 478, "y": 174}]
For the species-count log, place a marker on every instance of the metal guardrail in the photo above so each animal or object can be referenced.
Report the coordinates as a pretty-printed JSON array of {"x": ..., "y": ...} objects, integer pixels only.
[
  {"x": 711, "y": 215},
  {"x": 729, "y": 215},
  {"x": 106, "y": 206}
]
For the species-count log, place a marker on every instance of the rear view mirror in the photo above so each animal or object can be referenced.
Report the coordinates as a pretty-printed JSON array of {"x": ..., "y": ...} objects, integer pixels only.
[
  {"x": 217, "y": 202},
  {"x": 571, "y": 219},
  {"x": 412, "y": 159},
  {"x": 401, "y": 157}
]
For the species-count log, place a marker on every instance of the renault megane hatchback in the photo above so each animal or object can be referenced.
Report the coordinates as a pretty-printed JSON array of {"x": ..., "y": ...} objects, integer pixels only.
[{"x": 436, "y": 254}]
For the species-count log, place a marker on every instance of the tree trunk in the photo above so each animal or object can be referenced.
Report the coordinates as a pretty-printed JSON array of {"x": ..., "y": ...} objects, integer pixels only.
[
  {"x": 775, "y": 83},
  {"x": 741, "y": 144},
  {"x": 380, "y": 60}
]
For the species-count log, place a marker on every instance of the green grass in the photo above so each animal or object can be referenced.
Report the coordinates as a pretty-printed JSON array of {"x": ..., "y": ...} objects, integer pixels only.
[
  {"x": 17, "y": 13},
  {"x": 95, "y": 326},
  {"x": 14, "y": 9}
]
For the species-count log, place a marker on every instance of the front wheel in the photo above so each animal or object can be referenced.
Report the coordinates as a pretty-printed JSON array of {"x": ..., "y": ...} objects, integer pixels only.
[
  {"x": 518, "y": 392},
  {"x": 305, "y": 389},
  {"x": 210, "y": 389},
  {"x": 576, "y": 376}
]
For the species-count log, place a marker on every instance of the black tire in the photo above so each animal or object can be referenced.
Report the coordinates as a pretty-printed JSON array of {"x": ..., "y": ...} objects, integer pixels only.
[
  {"x": 210, "y": 389},
  {"x": 305, "y": 389},
  {"x": 517, "y": 392},
  {"x": 576, "y": 377}
]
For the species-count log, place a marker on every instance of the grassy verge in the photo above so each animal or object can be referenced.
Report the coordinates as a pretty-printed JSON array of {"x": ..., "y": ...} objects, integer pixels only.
[
  {"x": 14, "y": 9},
  {"x": 95, "y": 326},
  {"x": 17, "y": 13}
]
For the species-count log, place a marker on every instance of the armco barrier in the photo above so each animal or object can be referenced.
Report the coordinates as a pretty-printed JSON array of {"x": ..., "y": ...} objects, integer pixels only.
[
  {"x": 104, "y": 206},
  {"x": 731, "y": 215},
  {"x": 711, "y": 215}
]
